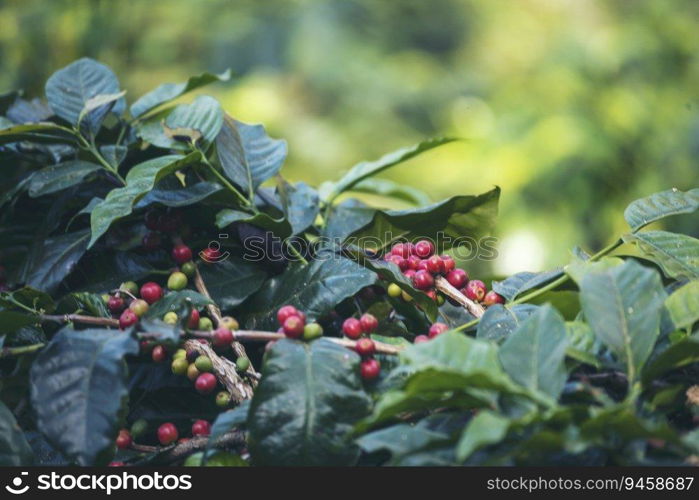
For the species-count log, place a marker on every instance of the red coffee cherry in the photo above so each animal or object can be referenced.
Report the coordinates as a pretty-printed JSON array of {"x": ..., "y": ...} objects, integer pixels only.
[
  {"x": 116, "y": 463},
  {"x": 475, "y": 290},
  {"x": 492, "y": 298},
  {"x": 424, "y": 248},
  {"x": 449, "y": 263},
  {"x": 158, "y": 354},
  {"x": 211, "y": 255},
  {"x": 409, "y": 273},
  {"x": 420, "y": 339},
  {"x": 399, "y": 261},
  {"x": 352, "y": 328},
  {"x": 423, "y": 280},
  {"x": 181, "y": 254},
  {"x": 457, "y": 278},
  {"x": 223, "y": 337},
  {"x": 123, "y": 440},
  {"x": 201, "y": 428},
  {"x": 434, "y": 264},
  {"x": 414, "y": 262},
  {"x": 365, "y": 347},
  {"x": 151, "y": 292},
  {"x": 370, "y": 368},
  {"x": 401, "y": 249},
  {"x": 293, "y": 327},
  {"x": 193, "y": 322},
  {"x": 167, "y": 433},
  {"x": 432, "y": 294},
  {"x": 369, "y": 323},
  {"x": 205, "y": 383},
  {"x": 437, "y": 329},
  {"x": 116, "y": 304},
  {"x": 128, "y": 318},
  {"x": 284, "y": 312}
]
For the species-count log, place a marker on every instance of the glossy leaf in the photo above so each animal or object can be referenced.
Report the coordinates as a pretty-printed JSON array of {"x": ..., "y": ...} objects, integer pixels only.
[
  {"x": 622, "y": 306},
  {"x": 346, "y": 218},
  {"x": 675, "y": 356},
  {"x": 140, "y": 179},
  {"x": 231, "y": 281},
  {"x": 203, "y": 116},
  {"x": 78, "y": 389},
  {"x": 11, "y": 321},
  {"x": 307, "y": 402},
  {"x": 676, "y": 254},
  {"x": 683, "y": 305},
  {"x": 390, "y": 189},
  {"x": 657, "y": 206},
  {"x": 180, "y": 196},
  {"x": 498, "y": 321},
  {"x": 514, "y": 285},
  {"x": 302, "y": 207},
  {"x": 57, "y": 258},
  {"x": 14, "y": 448},
  {"x": 58, "y": 177},
  {"x": 44, "y": 132},
  {"x": 484, "y": 429},
  {"x": 174, "y": 301},
  {"x": 280, "y": 227}
]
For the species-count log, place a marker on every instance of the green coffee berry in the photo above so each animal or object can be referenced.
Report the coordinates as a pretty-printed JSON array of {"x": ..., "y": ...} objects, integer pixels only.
[
  {"x": 242, "y": 364},
  {"x": 204, "y": 364},
  {"x": 170, "y": 318},
  {"x": 205, "y": 324},
  {"x": 179, "y": 366}
]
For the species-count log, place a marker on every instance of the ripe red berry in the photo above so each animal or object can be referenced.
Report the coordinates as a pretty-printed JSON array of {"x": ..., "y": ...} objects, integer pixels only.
[
  {"x": 457, "y": 278},
  {"x": 414, "y": 262},
  {"x": 222, "y": 337},
  {"x": 286, "y": 311},
  {"x": 158, "y": 354},
  {"x": 432, "y": 294},
  {"x": 449, "y": 263},
  {"x": 434, "y": 264},
  {"x": 420, "y": 339},
  {"x": 365, "y": 347},
  {"x": 116, "y": 304},
  {"x": 352, "y": 328},
  {"x": 127, "y": 319},
  {"x": 123, "y": 440},
  {"x": 369, "y": 323},
  {"x": 492, "y": 298},
  {"x": 152, "y": 241},
  {"x": 370, "y": 369},
  {"x": 424, "y": 248},
  {"x": 181, "y": 254},
  {"x": 423, "y": 280},
  {"x": 116, "y": 463},
  {"x": 205, "y": 383},
  {"x": 399, "y": 261},
  {"x": 151, "y": 292},
  {"x": 409, "y": 273},
  {"x": 293, "y": 327},
  {"x": 475, "y": 290},
  {"x": 211, "y": 254},
  {"x": 201, "y": 428},
  {"x": 193, "y": 322},
  {"x": 167, "y": 433},
  {"x": 436, "y": 329},
  {"x": 401, "y": 249}
]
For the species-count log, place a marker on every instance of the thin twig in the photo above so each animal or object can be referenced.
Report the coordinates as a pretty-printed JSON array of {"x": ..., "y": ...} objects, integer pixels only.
[
  {"x": 445, "y": 287},
  {"x": 174, "y": 453},
  {"x": 79, "y": 318},
  {"x": 259, "y": 336},
  {"x": 225, "y": 371}
]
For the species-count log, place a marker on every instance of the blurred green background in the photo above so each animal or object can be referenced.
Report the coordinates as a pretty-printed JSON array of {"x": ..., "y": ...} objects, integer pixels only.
[{"x": 573, "y": 107}]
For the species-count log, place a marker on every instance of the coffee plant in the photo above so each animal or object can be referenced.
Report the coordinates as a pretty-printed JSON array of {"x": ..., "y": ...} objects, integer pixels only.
[{"x": 169, "y": 298}]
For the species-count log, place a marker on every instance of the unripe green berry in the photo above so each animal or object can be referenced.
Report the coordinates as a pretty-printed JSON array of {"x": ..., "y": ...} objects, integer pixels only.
[
  {"x": 242, "y": 364},
  {"x": 192, "y": 372},
  {"x": 230, "y": 323},
  {"x": 189, "y": 269},
  {"x": 205, "y": 324},
  {"x": 179, "y": 366},
  {"x": 106, "y": 297},
  {"x": 139, "y": 428},
  {"x": 139, "y": 307},
  {"x": 223, "y": 399},
  {"x": 406, "y": 296},
  {"x": 312, "y": 331},
  {"x": 130, "y": 286},
  {"x": 440, "y": 300},
  {"x": 394, "y": 291},
  {"x": 180, "y": 353},
  {"x": 177, "y": 281},
  {"x": 204, "y": 364},
  {"x": 170, "y": 318}
]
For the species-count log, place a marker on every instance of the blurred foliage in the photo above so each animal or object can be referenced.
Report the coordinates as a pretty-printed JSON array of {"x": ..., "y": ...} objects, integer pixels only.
[{"x": 573, "y": 107}]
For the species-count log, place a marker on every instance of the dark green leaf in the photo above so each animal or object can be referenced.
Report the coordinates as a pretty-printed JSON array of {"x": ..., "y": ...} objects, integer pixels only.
[
  {"x": 677, "y": 355},
  {"x": 308, "y": 400},
  {"x": 676, "y": 254},
  {"x": 69, "y": 89},
  {"x": 84, "y": 302},
  {"x": 582, "y": 345},
  {"x": 111, "y": 270},
  {"x": 367, "y": 169},
  {"x": 58, "y": 257},
  {"x": 78, "y": 390},
  {"x": 29, "y": 297},
  {"x": 14, "y": 449},
  {"x": 58, "y": 177},
  {"x": 484, "y": 429},
  {"x": 169, "y": 91},
  {"x": 140, "y": 179},
  {"x": 683, "y": 305},
  {"x": 521, "y": 282},
  {"x": 204, "y": 116},
  {"x": 660, "y": 205},
  {"x": 100, "y": 103},
  {"x": 11, "y": 321},
  {"x": 181, "y": 196},
  {"x": 231, "y": 281},
  {"x": 499, "y": 321},
  {"x": 44, "y": 132},
  {"x": 315, "y": 289},
  {"x": 174, "y": 301},
  {"x": 302, "y": 208},
  {"x": 390, "y": 189},
  {"x": 533, "y": 355},
  {"x": 114, "y": 154},
  {"x": 280, "y": 227},
  {"x": 346, "y": 218},
  {"x": 623, "y": 306}
]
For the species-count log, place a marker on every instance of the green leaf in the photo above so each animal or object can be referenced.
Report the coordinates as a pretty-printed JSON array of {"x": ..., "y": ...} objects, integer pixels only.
[
  {"x": 676, "y": 254},
  {"x": 315, "y": 289},
  {"x": 675, "y": 356},
  {"x": 346, "y": 218},
  {"x": 280, "y": 227},
  {"x": 225, "y": 422},
  {"x": 11, "y": 321},
  {"x": 302, "y": 207},
  {"x": 69, "y": 89},
  {"x": 306, "y": 404},
  {"x": 231, "y": 281},
  {"x": 579, "y": 268},
  {"x": 111, "y": 270},
  {"x": 174, "y": 301},
  {"x": 683, "y": 305},
  {"x": 79, "y": 385},
  {"x": 80, "y": 302},
  {"x": 58, "y": 177},
  {"x": 180, "y": 197},
  {"x": 622, "y": 306},
  {"x": 460, "y": 218},
  {"x": 140, "y": 179},
  {"x": 513, "y": 286},
  {"x": 582, "y": 345},
  {"x": 248, "y": 155},
  {"x": 44, "y": 132},
  {"x": 390, "y": 189},
  {"x": 57, "y": 259},
  {"x": 104, "y": 101},
  {"x": 367, "y": 169},
  {"x": 533, "y": 355},
  {"x": 660, "y": 205},
  {"x": 203, "y": 116},
  {"x": 484, "y": 429},
  {"x": 498, "y": 321},
  {"x": 114, "y": 154},
  {"x": 169, "y": 91},
  {"x": 14, "y": 449}
]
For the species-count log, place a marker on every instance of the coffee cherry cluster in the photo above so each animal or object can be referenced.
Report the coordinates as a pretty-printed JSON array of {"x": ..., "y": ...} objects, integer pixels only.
[
  {"x": 292, "y": 323},
  {"x": 420, "y": 263},
  {"x": 359, "y": 330}
]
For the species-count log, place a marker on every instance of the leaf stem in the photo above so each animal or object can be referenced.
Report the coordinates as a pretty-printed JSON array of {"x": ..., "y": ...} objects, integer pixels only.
[
  {"x": 7, "y": 352},
  {"x": 92, "y": 148},
  {"x": 242, "y": 199},
  {"x": 295, "y": 252}
]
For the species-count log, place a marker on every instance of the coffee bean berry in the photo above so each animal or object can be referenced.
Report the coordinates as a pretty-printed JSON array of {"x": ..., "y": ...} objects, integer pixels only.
[
  {"x": 437, "y": 329},
  {"x": 293, "y": 327},
  {"x": 201, "y": 428},
  {"x": 139, "y": 428},
  {"x": 492, "y": 298},
  {"x": 424, "y": 248},
  {"x": 211, "y": 255},
  {"x": 170, "y": 318},
  {"x": 420, "y": 339},
  {"x": 423, "y": 280},
  {"x": 177, "y": 281},
  {"x": 242, "y": 364},
  {"x": 223, "y": 399},
  {"x": 189, "y": 269},
  {"x": 205, "y": 324},
  {"x": 285, "y": 312},
  {"x": 448, "y": 263},
  {"x": 222, "y": 337},
  {"x": 365, "y": 347},
  {"x": 312, "y": 331},
  {"x": 193, "y": 320},
  {"x": 230, "y": 323},
  {"x": 475, "y": 290},
  {"x": 205, "y": 383},
  {"x": 181, "y": 253},
  {"x": 139, "y": 307},
  {"x": 179, "y": 366},
  {"x": 370, "y": 369},
  {"x": 369, "y": 323},
  {"x": 191, "y": 355},
  {"x": 116, "y": 304},
  {"x": 434, "y": 264},
  {"x": 128, "y": 318},
  {"x": 401, "y": 249},
  {"x": 192, "y": 372},
  {"x": 158, "y": 354},
  {"x": 352, "y": 328},
  {"x": 123, "y": 440},
  {"x": 151, "y": 292},
  {"x": 394, "y": 290},
  {"x": 167, "y": 434},
  {"x": 457, "y": 278}
]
